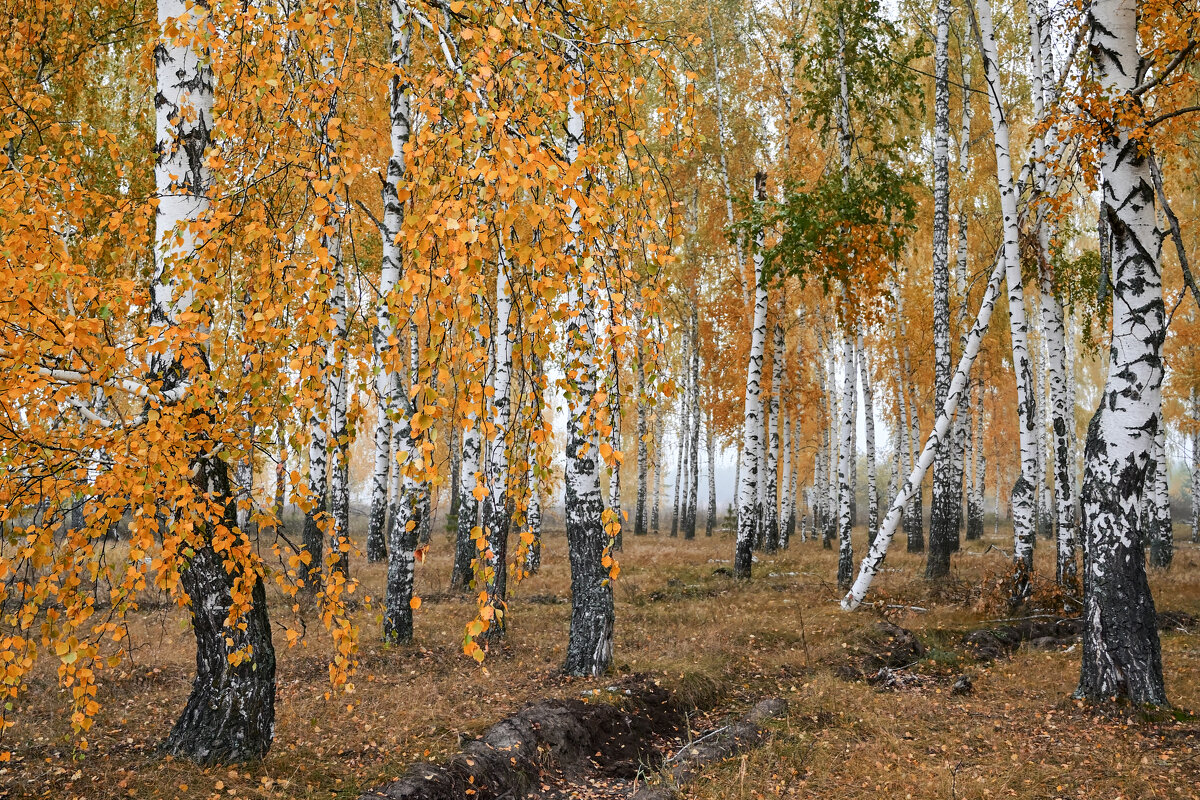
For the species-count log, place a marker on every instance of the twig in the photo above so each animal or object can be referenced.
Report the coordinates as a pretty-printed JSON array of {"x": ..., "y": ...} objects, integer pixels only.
[
  {"x": 708, "y": 735},
  {"x": 1176, "y": 234}
]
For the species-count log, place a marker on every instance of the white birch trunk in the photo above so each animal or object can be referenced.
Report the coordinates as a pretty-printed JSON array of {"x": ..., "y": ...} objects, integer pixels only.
[
  {"x": 771, "y": 526},
  {"x": 864, "y": 368},
  {"x": 845, "y": 464},
  {"x": 787, "y": 506},
  {"x": 590, "y": 644},
  {"x": 1162, "y": 545},
  {"x": 230, "y": 710},
  {"x": 1121, "y": 654},
  {"x": 495, "y": 515},
  {"x": 942, "y": 517},
  {"x": 725, "y": 182},
  {"x": 1023, "y": 495},
  {"x": 874, "y": 559},
  {"x": 693, "y": 484},
  {"x": 748, "y": 504}
]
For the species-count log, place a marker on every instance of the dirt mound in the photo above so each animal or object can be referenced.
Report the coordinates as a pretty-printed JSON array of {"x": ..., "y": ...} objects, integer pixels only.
[
  {"x": 878, "y": 646},
  {"x": 989, "y": 644},
  {"x": 611, "y": 732}
]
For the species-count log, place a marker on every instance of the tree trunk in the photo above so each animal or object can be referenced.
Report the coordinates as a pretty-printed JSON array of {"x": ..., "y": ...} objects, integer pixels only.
[
  {"x": 845, "y": 463},
  {"x": 832, "y": 448},
  {"x": 1024, "y": 491},
  {"x": 380, "y": 480},
  {"x": 874, "y": 559},
  {"x": 1162, "y": 545},
  {"x": 1121, "y": 655},
  {"x": 864, "y": 368},
  {"x": 590, "y": 645},
  {"x": 787, "y": 484},
  {"x": 403, "y": 531},
  {"x": 771, "y": 478},
  {"x": 962, "y": 422},
  {"x": 339, "y": 486},
  {"x": 533, "y": 524},
  {"x": 680, "y": 466},
  {"x": 711, "y": 446},
  {"x": 658, "y": 476},
  {"x": 914, "y": 515},
  {"x": 639, "y": 514},
  {"x": 468, "y": 507},
  {"x": 693, "y": 488},
  {"x": 752, "y": 428},
  {"x": 942, "y": 516},
  {"x": 230, "y": 712},
  {"x": 978, "y": 465},
  {"x": 496, "y": 503}
]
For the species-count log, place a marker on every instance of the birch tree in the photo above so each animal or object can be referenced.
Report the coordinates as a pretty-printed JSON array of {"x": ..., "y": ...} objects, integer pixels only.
[
  {"x": 748, "y": 506},
  {"x": 947, "y": 496},
  {"x": 1024, "y": 491},
  {"x": 1121, "y": 655},
  {"x": 230, "y": 711}
]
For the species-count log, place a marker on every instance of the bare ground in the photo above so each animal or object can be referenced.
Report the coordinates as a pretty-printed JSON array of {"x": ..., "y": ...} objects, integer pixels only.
[{"x": 717, "y": 646}]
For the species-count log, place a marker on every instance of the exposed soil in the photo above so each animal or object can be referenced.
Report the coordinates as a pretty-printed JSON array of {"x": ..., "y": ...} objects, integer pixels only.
[{"x": 604, "y": 745}]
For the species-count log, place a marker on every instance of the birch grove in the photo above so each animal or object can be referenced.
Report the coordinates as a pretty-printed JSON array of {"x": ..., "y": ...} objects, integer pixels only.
[{"x": 352, "y": 336}]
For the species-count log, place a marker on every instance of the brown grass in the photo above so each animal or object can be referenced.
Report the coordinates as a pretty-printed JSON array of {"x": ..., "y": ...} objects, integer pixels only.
[{"x": 715, "y": 642}]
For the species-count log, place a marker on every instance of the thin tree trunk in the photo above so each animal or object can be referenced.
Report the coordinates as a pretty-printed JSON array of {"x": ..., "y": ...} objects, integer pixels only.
[
  {"x": 680, "y": 465},
  {"x": 874, "y": 559},
  {"x": 496, "y": 502},
  {"x": 864, "y": 368},
  {"x": 1024, "y": 491},
  {"x": 845, "y": 463},
  {"x": 469, "y": 507},
  {"x": 787, "y": 484},
  {"x": 380, "y": 476},
  {"x": 658, "y": 475},
  {"x": 975, "y": 496},
  {"x": 942, "y": 516},
  {"x": 962, "y": 422},
  {"x": 689, "y": 531},
  {"x": 711, "y": 446},
  {"x": 339, "y": 485},
  {"x": 771, "y": 478},
  {"x": 914, "y": 515},
  {"x": 1162, "y": 545},
  {"x": 752, "y": 428},
  {"x": 1121, "y": 655},
  {"x": 639, "y": 516}
]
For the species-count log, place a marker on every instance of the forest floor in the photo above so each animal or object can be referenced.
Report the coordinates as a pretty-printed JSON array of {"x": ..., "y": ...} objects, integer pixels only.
[{"x": 717, "y": 644}]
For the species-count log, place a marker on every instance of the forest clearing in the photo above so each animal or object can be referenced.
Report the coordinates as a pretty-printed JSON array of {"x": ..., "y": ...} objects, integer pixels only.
[{"x": 600, "y": 399}]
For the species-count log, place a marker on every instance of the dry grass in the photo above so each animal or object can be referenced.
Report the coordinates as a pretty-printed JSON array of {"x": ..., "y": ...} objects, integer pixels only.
[{"x": 714, "y": 641}]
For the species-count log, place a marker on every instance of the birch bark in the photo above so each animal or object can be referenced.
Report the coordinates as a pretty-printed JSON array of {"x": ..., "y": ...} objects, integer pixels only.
[
  {"x": 748, "y": 505},
  {"x": 864, "y": 367},
  {"x": 872, "y": 562},
  {"x": 1121, "y": 655},
  {"x": 230, "y": 712},
  {"x": 590, "y": 643},
  {"x": 1024, "y": 491}
]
